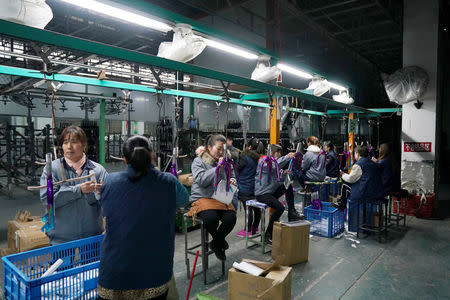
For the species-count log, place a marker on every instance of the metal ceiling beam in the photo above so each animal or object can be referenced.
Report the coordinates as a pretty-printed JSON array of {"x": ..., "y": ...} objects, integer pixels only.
[
  {"x": 294, "y": 10},
  {"x": 340, "y": 3},
  {"x": 390, "y": 36},
  {"x": 369, "y": 26},
  {"x": 383, "y": 50},
  {"x": 340, "y": 12},
  {"x": 63, "y": 41}
]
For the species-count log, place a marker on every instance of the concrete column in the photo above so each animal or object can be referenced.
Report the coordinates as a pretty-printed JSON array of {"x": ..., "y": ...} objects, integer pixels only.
[{"x": 420, "y": 48}]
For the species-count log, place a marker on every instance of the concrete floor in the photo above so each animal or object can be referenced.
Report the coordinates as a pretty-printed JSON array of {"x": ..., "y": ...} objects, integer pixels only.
[{"x": 412, "y": 264}]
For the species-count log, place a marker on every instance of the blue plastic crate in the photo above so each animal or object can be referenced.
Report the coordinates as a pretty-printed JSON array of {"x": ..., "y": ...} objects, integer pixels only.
[
  {"x": 327, "y": 222},
  {"x": 76, "y": 278}
]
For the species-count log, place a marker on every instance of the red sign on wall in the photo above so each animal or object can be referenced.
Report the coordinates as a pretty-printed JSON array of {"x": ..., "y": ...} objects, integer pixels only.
[{"x": 417, "y": 147}]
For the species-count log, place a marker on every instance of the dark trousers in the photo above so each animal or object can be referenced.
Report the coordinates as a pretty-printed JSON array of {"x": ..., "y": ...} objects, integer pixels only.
[
  {"x": 271, "y": 200},
  {"x": 254, "y": 214},
  {"x": 302, "y": 178},
  {"x": 162, "y": 297},
  {"x": 345, "y": 192},
  {"x": 211, "y": 220}
]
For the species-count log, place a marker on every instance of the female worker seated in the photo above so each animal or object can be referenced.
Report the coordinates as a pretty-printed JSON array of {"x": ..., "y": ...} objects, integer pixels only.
[
  {"x": 248, "y": 162},
  {"x": 332, "y": 165},
  {"x": 139, "y": 205},
  {"x": 361, "y": 185},
  {"x": 388, "y": 170},
  {"x": 77, "y": 211},
  {"x": 314, "y": 163},
  {"x": 268, "y": 189},
  {"x": 210, "y": 210}
]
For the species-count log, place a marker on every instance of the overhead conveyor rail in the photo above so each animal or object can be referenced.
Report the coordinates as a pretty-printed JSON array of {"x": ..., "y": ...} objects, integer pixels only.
[{"x": 44, "y": 37}]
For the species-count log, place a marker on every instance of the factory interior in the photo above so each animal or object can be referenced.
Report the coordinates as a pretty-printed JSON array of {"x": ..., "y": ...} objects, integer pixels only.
[{"x": 224, "y": 149}]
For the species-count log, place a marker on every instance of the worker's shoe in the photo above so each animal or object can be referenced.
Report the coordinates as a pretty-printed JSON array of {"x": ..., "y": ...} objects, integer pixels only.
[
  {"x": 217, "y": 249},
  {"x": 294, "y": 216},
  {"x": 225, "y": 245},
  {"x": 268, "y": 238},
  {"x": 241, "y": 233}
]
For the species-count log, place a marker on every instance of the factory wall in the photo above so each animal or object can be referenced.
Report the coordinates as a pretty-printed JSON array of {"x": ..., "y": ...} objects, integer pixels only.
[{"x": 420, "y": 42}]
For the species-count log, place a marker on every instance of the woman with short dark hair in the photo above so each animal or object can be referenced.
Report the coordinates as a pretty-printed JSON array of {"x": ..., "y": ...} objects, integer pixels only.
[
  {"x": 211, "y": 211},
  {"x": 77, "y": 211},
  {"x": 139, "y": 206}
]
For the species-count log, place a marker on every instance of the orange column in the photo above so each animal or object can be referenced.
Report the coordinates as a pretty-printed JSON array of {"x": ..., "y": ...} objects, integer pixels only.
[
  {"x": 351, "y": 141},
  {"x": 274, "y": 123}
]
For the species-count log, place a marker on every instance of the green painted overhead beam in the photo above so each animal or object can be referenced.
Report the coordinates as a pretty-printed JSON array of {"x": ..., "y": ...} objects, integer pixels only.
[
  {"x": 135, "y": 87},
  {"x": 258, "y": 96},
  {"x": 69, "y": 42}
]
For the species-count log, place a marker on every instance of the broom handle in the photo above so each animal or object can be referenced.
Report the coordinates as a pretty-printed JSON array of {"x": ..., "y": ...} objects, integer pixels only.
[{"x": 192, "y": 276}]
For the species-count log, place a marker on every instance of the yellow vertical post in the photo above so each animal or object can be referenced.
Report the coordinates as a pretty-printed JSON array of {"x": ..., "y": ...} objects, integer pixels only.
[
  {"x": 274, "y": 123},
  {"x": 351, "y": 140}
]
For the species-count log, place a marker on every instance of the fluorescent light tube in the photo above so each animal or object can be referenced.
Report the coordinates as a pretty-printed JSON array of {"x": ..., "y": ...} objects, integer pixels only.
[
  {"x": 294, "y": 71},
  {"x": 230, "y": 49},
  {"x": 337, "y": 86},
  {"x": 120, "y": 14}
]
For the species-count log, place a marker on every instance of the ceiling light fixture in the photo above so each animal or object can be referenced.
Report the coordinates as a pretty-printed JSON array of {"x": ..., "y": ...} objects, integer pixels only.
[
  {"x": 121, "y": 14},
  {"x": 294, "y": 71},
  {"x": 337, "y": 86},
  {"x": 230, "y": 49}
]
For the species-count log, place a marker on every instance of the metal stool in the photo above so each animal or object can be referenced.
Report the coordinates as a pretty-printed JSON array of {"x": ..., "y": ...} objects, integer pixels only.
[
  {"x": 204, "y": 248},
  {"x": 262, "y": 226},
  {"x": 366, "y": 226},
  {"x": 401, "y": 195}
]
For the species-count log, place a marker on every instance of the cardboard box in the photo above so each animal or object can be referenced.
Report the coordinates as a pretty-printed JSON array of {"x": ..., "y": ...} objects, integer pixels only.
[
  {"x": 275, "y": 285},
  {"x": 24, "y": 236},
  {"x": 14, "y": 225},
  {"x": 291, "y": 241},
  {"x": 29, "y": 239}
]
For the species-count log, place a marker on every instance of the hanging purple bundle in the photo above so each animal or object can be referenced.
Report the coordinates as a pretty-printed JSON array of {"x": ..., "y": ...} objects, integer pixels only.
[
  {"x": 316, "y": 204},
  {"x": 325, "y": 161},
  {"x": 173, "y": 170},
  {"x": 226, "y": 164},
  {"x": 268, "y": 160},
  {"x": 296, "y": 162},
  {"x": 347, "y": 155},
  {"x": 49, "y": 218},
  {"x": 371, "y": 152}
]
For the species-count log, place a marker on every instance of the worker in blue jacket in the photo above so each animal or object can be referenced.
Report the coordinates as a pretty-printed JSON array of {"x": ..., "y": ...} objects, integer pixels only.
[{"x": 139, "y": 205}]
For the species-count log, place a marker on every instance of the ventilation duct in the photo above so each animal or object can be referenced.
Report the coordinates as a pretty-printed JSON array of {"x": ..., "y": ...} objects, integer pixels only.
[
  {"x": 185, "y": 45},
  {"x": 263, "y": 71},
  {"x": 34, "y": 13},
  {"x": 406, "y": 85}
]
